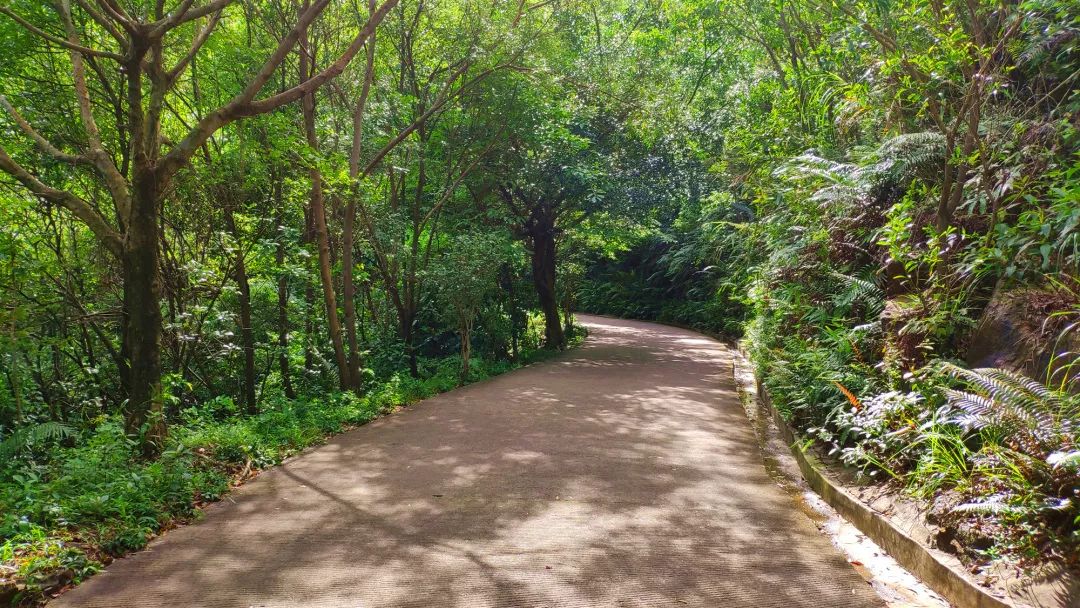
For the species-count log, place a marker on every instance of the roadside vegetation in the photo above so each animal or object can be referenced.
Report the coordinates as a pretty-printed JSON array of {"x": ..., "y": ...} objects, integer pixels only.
[
  {"x": 882, "y": 200},
  {"x": 77, "y": 497},
  {"x": 229, "y": 228}
]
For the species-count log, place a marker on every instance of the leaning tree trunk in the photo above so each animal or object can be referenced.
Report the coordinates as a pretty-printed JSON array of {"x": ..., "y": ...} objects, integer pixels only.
[
  {"x": 142, "y": 319},
  {"x": 543, "y": 270},
  {"x": 322, "y": 237}
]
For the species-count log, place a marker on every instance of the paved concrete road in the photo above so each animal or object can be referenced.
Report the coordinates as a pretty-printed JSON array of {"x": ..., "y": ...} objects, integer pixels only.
[{"x": 623, "y": 473}]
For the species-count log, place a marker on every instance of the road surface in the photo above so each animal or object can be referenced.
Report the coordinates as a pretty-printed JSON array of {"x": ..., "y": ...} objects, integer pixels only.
[{"x": 620, "y": 474}]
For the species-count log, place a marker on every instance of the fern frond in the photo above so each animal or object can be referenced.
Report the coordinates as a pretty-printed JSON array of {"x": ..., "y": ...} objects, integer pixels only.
[
  {"x": 980, "y": 410},
  {"x": 913, "y": 151},
  {"x": 1037, "y": 390},
  {"x": 44, "y": 431},
  {"x": 863, "y": 290}
]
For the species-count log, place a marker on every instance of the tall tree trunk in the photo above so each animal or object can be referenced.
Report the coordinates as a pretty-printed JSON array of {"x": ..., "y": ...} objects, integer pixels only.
[
  {"x": 466, "y": 347},
  {"x": 348, "y": 287},
  {"x": 512, "y": 311},
  {"x": 247, "y": 334},
  {"x": 142, "y": 318},
  {"x": 568, "y": 316},
  {"x": 348, "y": 294},
  {"x": 309, "y": 302},
  {"x": 406, "y": 320},
  {"x": 282, "y": 295},
  {"x": 322, "y": 237},
  {"x": 543, "y": 271}
]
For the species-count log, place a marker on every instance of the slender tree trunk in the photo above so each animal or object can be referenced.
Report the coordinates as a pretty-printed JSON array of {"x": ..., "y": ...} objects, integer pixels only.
[
  {"x": 512, "y": 310},
  {"x": 282, "y": 296},
  {"x": 247, "y": 334},
  {"x": 348, "y": 287},
  {"x": 309, "y": 302},
  {"x": 348, "y": 294},
  {"x": 543, "y": 270},
  {"x": 568, "y": 317},
  {"x": 407, "y": 318},
  {"x": 466, "y": 348},
  {"x": 322, "y": 237},
  {"x": 247, "y": 337}
]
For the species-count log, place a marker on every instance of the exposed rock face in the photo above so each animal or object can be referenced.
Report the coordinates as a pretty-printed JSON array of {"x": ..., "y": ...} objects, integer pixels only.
[{"x": 1017, "y": 332}]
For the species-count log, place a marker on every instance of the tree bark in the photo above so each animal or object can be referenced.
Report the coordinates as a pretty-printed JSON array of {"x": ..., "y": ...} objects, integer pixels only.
[
  {"x": 543, "y": 270},
  {"x": 347, "y": 238},
  {"x": 247, "y": 334},
  {"x": 282, "y": 295},
  {"x": 466, "y": 347},
  {"x": 142, "y": 319},
  {"x": 322, "y": 237}
]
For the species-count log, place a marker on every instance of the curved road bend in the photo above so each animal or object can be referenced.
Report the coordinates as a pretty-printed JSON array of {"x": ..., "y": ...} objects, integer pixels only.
[{"x": 623, "y": 473}]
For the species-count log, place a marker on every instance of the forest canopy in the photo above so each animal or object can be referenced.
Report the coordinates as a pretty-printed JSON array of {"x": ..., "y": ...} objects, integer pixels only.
[{"x": 229, "y": 228}]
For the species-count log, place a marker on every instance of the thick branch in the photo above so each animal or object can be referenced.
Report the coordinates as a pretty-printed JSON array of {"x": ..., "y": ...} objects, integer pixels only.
[
  {"x": 42, "y": 143},
  {"x": 114, "y": 181},
  {"x": 242, "y": 105},
  {"x": 104, "y": 22},
  {"x": 332, "y": 71},
  {"x": 184, "y": 13},
  {"x": 457, "y": 182},
  {"x": 77, "y": 206},
  {"x": 196, "y": 44},
  {"x": 443, "y": 98},
  {"x": 361, "y": 105}
]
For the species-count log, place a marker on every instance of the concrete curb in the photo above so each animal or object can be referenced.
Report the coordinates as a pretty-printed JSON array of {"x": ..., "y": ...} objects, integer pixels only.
[{"x": 910, "y": 553}]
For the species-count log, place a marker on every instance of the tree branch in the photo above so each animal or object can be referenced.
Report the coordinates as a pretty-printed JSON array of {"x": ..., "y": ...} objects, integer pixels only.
[
  {"x": 104, "y": 22},
  {"x": 114, "y": 181},
  {"x": 332, "y": 71},
  {"x": 184, "y": 13},
  {"x": 196, "y": 44},
  {"x": 242, "y": 105},
  {"x": 41, "y": 142},
  {"x": 78, "y": 207},
  {"x": 53, "y": 39}
]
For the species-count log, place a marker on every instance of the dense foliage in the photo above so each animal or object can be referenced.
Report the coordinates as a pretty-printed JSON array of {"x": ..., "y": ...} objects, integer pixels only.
[
  {"x": 888, "y": 195},
  {"x": 231, "y": 227}
]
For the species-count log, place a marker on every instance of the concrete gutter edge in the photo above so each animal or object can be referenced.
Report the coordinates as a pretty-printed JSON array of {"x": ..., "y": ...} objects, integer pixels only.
[{"x": 908, "y": 552}]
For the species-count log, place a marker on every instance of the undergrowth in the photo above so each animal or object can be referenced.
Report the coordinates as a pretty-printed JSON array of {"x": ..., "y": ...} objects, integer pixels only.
[{"x": 71, "y": 502}]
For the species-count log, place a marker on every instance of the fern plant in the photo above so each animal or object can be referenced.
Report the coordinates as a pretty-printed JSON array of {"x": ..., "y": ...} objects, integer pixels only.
[
  {"x": 859, "y": 289},
  {"x": 873, "y": 179},
  {"x": 1033, "y": 418},
  {"x": 29, "y": 435}
]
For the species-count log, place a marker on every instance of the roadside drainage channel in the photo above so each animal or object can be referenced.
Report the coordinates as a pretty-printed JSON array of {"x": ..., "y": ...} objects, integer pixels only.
[
  {"x": 894, "y": 583},
  {"x": 902, "y": 571}
]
